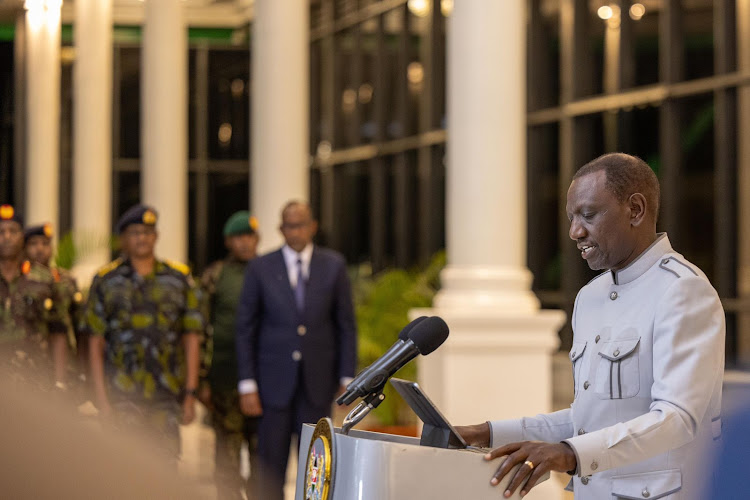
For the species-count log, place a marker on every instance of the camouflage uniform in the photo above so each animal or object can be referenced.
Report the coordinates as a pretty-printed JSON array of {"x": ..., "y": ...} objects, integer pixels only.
[
  {"x": 142, "y": 320},
  {"x": 72, "y": 302},
  {"x": 221, "y": 283},
  {"x": 31, "y": 310}
]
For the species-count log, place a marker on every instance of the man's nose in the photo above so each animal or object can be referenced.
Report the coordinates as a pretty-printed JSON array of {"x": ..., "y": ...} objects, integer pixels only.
[{"x": 576, "y": 230}]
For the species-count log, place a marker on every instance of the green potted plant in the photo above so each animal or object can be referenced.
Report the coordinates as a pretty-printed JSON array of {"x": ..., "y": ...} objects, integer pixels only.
[{"x": 382, "y": 305}]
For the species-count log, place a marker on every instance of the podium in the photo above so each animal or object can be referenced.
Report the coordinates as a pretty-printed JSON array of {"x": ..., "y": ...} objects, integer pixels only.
[{"x": 373, "y": 466}]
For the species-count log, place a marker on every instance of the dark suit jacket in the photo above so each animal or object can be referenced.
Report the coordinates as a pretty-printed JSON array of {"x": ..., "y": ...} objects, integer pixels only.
[{"x": 270, "y": 329}]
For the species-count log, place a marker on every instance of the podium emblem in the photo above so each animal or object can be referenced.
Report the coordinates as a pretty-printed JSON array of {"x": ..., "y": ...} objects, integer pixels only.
[{"x": 320, "y": 457}]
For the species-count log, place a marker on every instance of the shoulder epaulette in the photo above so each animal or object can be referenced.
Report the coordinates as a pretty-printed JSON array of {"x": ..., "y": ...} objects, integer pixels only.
[
  {"x": 109, "y": 267},
  {"x": 676, "y": 267},
  {"x": 178, "y": 266}
]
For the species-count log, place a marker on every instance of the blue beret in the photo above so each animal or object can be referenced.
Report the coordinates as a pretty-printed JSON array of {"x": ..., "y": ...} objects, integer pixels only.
[
  {"x": 137, "y": 214},
  {"x": 40, "y": 230}
]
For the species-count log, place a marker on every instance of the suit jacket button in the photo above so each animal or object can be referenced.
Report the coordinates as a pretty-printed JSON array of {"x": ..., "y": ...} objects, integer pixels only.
[
  {"x": 613, "y": 296},
  {"x": 645, "y": 493},
  {"x": 586, "y": 385},
  {"x": 585, "y": 480},
  {"x": 301, "y": 330},
  {"x": 296, "y": 355},
  {"x": 594, "y": 465}
]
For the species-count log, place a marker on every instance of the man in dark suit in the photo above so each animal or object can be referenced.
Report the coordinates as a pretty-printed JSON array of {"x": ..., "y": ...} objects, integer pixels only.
[{"x": 296, "y": 340}]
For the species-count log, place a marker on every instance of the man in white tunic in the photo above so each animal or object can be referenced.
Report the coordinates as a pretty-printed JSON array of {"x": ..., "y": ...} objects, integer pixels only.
[{"x": 648, "y": 356}]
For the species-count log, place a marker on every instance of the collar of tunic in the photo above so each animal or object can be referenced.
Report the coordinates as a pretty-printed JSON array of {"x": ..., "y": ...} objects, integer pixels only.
[{"x": 643, "y": 263}]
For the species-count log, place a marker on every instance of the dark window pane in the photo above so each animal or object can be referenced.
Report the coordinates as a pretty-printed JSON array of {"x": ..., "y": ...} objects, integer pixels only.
[
  {"x": 228, "y": 104},
  {"x": 227, "y": 194},
  {"x": 699, "y": 39},
  {"x": 130, "y": 102}
]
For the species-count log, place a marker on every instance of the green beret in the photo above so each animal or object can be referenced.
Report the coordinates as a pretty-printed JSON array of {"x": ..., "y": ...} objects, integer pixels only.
[
  {"x": 7, "y": 212},
  {"x": 241, "y": 223},
  {"x": 40, "y": 230},
  {"x": 137, "y": 214}
]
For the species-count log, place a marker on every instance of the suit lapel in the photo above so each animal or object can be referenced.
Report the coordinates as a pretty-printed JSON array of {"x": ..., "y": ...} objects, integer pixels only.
[
  {"x": 281, "y": 275},
  {"x": 315, "y": 275}
]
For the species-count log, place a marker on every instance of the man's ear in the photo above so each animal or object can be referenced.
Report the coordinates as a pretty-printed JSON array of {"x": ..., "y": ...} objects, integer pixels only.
[{"x": 638, "y": 208}]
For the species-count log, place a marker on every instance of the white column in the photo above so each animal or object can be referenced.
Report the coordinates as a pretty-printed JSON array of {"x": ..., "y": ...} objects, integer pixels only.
[
  {"x": 164, "y": 104},
  {"x": 43, "y": 108},
  {"x": 497, "y": 361},
  {"x": 92, "y": 134},
  {"x": 280, "y": 111},
  {"x": 743, "y": 176}
]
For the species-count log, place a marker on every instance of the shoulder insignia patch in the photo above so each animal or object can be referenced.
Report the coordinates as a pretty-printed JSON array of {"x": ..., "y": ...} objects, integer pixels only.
[
  {"x": 109, "y": 267},
  {"x": 178, "y": 266},
  {"x": 676, "y": 267},
  {"x": 26, "y": 267},
  {"x": 55, "y": 274}
]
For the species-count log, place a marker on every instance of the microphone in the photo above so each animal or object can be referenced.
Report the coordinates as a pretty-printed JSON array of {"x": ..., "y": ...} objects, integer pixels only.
[{"x": 421, "y": 336}]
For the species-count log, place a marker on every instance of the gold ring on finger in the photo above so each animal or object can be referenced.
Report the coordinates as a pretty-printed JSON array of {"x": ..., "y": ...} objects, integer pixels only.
[{"x": 529, "y": 463}]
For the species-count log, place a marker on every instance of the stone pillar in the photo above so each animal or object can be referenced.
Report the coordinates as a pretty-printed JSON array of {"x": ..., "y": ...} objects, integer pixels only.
[
  {"x": 497, "y": 361},
  {"x": 92, "y": 134},
  {"x": 280, "y": 112},
  {"x": 43, "y": 108},
  {"x": 743, "y": 179},
  {"x": 164, "y": 104}
]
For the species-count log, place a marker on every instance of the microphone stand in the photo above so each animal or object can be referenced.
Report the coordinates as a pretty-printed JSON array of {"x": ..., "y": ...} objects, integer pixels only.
[{"x": 360, "y": 411}]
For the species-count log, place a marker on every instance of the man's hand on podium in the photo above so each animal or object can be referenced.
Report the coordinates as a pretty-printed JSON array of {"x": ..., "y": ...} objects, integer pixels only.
[
  {"x": 536, "y": 458},
  {"x": 475, "y": 435},
  {"x": 250, "y": 404}
]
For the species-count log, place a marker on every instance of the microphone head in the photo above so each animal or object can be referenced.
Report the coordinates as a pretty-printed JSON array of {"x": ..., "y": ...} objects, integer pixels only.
[
  {"x": 429, "y": 334},
  {"x": 404, "y": 334}
]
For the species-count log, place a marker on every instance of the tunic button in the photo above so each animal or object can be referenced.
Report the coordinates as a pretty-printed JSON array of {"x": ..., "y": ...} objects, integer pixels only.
[
  {"x": 301, "y": 330},
  {"x": 296, "y": 355},
  {"x": 613, "y": 296},
  {"x": 616, "y": 353},
  {"x": 573, "y": 355},
  {"x": 645, "y": 493},
  {"x": 581, "y": 432},
  {"x": 585, "y": 480},
  {"x": 594, "y": 465},
  {"x": 597, "y": 339},
  {"x": 664, "y": 262},
  {"x": 586, "y": 385}
]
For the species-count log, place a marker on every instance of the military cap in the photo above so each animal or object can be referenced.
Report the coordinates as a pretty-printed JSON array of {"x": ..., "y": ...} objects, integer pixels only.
[
  {"x": 137, "y": 214},
  {"x": 40, "y": 230},
  {"x": 7, "y": 212},
  {"x": 241, "y": 223}
]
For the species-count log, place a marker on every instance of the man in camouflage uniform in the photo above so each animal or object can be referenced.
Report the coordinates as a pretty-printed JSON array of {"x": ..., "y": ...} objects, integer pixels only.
[
  {"x": 222, "y": 283},
  {"x": 33, "y": 321},
  {"x": 38, "y": 247},
  {"x": 144, "y": 322}
]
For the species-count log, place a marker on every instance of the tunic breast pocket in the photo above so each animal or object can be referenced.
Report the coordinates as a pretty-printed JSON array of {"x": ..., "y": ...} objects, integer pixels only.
[{"x": 617, "y": 373}]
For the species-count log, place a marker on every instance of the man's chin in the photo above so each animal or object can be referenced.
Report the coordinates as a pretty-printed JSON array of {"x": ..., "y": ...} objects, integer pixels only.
[{"x": 595, "y": 266}]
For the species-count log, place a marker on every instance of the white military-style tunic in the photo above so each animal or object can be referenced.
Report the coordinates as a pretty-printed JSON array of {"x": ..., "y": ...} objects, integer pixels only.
[{"x": 648, "y": 364}]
